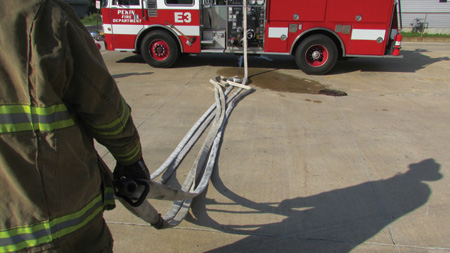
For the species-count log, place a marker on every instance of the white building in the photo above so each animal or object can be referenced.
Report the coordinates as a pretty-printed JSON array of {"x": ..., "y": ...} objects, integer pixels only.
[{"x": 433, "y": 15}]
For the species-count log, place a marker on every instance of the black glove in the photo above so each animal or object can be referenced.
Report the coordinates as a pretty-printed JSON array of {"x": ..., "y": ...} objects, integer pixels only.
[
  {"x": 132, "y": 182},
  {"x": 137, "y": 170}
]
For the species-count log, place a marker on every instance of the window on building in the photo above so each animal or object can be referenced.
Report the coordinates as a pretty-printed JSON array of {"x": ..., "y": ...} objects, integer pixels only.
[
  {"x": 183, "y": 2},
  {"x": 442, "y": 1}
]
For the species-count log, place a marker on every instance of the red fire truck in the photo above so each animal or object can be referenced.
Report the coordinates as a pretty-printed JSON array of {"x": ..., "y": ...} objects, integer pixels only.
[{"x": 315, "y": 32}]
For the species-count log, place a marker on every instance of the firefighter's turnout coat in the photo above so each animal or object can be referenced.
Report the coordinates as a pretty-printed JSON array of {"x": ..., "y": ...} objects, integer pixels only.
[{"x": 56, "y": 95}]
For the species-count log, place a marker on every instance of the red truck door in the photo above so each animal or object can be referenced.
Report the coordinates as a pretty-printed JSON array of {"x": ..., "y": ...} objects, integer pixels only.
[
  {"x": 126, "y": 21},
  {"x": 281, "y": 13},
  {"x": 370, "y": 21},
  {"x": 299, "y": 10}
]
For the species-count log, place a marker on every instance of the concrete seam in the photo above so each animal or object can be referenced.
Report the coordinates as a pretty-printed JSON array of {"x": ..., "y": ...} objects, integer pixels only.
[{"x": 366, "y": 170}]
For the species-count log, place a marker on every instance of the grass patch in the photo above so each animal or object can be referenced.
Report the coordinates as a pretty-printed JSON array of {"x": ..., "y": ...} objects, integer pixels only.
[
  {"x": 428, "y": 35},
  {"x": 91, "y": 20}
]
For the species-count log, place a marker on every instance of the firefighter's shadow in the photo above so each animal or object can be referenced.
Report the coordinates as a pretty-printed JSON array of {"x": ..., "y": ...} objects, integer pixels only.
[
  {"x": 412, "y": 61},
  {"x": 334, "y": 221}
]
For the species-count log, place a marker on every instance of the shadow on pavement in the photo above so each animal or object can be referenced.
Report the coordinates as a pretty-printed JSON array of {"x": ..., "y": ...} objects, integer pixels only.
[
  {"x": 412, "y": 61},
  {"x": 224, "y": 60},
  {"x": 334, "y": 221},
  {"x": 131, "y": 74}
]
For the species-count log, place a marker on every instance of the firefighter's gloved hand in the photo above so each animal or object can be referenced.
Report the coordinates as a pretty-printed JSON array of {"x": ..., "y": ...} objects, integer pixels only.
[
  {"x": 137, "y": 170},
  {"x": 132, "y": 182}
]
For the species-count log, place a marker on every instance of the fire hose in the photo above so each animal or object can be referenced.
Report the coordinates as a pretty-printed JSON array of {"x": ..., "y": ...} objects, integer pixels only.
[{"x": 203, "y": 165}]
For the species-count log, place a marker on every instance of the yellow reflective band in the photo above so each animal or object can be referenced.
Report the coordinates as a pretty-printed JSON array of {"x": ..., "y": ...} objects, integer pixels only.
[
  {"x": 109, "y": 198},
  {"x": 19, "y": 118},
  {"x": 130, "y": 155},
  {"x": 116, "y": 126},
  {"x": 29, "y": 236}
]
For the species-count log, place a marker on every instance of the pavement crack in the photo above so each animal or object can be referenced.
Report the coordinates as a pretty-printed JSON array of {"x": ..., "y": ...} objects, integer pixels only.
[{"x": 366, "y": 170}]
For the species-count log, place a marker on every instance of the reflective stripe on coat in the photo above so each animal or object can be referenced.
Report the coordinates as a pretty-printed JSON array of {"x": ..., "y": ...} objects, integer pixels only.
[{"x": 56, "y": 95}]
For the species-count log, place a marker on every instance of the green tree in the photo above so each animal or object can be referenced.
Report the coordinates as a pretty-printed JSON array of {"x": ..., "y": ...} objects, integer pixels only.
[{"x": 91, "y": 6}]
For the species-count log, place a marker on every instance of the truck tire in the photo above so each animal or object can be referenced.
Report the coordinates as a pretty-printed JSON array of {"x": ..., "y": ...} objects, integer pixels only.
[
  {"x": 316, "y": 55},
  {"x": 159, "y": 49}
]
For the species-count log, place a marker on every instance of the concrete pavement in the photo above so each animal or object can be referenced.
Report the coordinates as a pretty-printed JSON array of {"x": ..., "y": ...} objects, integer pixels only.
[{"x": 301, "y": 172}]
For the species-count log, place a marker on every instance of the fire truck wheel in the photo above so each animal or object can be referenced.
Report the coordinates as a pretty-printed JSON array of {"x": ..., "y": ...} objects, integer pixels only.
[
  {"x": 316, "y": 55},
  {"x": 159, "y": 49}
]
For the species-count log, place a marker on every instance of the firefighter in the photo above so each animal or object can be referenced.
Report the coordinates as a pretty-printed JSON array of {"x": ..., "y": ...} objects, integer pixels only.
[{"x": 56, "y": 95}]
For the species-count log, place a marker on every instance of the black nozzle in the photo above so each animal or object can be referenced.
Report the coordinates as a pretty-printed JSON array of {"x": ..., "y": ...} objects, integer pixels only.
[
  {"x": 127, "y": 186},
  {"x": 133, "y": 191}
]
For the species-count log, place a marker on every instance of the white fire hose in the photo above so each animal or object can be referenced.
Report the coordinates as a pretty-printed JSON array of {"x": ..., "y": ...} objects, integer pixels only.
[{"x": 203, "y": 165}]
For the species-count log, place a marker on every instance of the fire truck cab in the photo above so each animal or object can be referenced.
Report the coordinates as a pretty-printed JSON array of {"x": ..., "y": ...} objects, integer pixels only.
[{"x": 315, "y": 32}]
